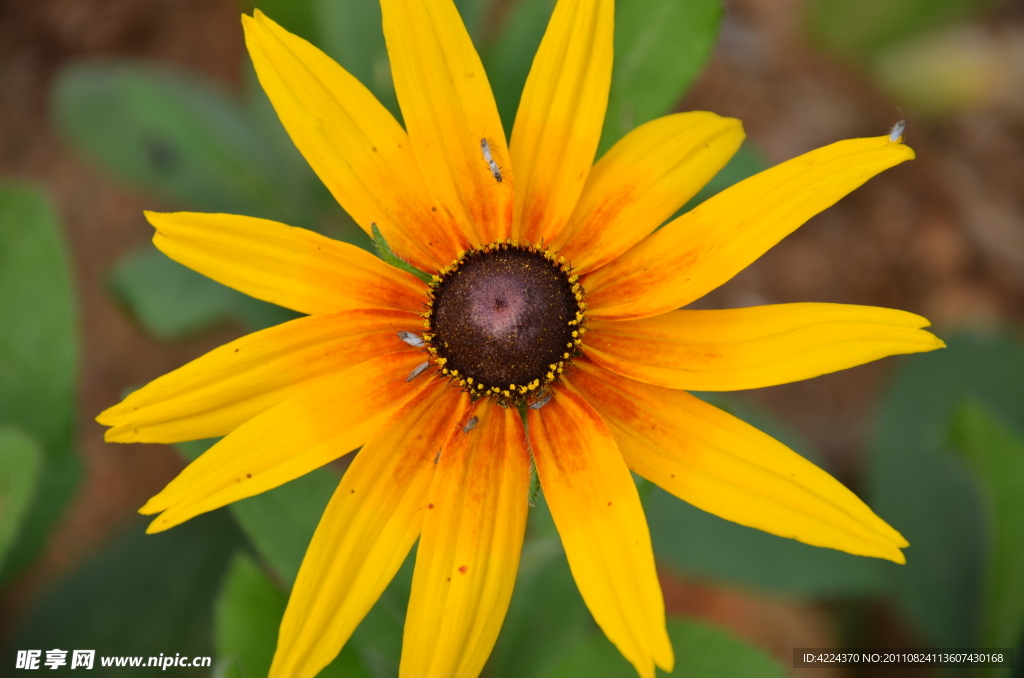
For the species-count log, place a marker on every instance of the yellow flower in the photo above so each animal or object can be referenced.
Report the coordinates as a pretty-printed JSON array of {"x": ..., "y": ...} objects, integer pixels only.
[{"x": 548, "y": 274}]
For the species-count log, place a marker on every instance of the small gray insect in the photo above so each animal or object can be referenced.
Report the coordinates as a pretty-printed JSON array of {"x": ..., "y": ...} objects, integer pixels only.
[
  {"x": 495, "y": 170},
  {"x": 471, "y": 424},
  {"x": 417, "y": 371},
  {"x": 541, "y": 401},
  {"x": 410, "y": 338},
  {"x": 897, "y": 131}
]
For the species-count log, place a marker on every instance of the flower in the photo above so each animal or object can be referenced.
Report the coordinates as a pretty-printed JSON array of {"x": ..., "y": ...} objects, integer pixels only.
[{"x": 543, "y": 272}]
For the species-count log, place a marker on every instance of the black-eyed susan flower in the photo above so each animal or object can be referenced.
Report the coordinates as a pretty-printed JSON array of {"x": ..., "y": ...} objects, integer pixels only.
[{"x": 536, "y": 324}]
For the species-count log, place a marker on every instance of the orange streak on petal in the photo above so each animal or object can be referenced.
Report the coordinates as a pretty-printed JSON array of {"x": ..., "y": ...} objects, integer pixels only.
[
  {"x": 212, "y": 395},
  {"x": 448, "y": 108},
  {"x": 469, "y": 552},
  {"x": 366, "y": 532},
  {"x": 596, "y": 509},
  {"x": 288, "y": 266},
  {"x": 323, "y": 422},
  {"x": 726, "y": 467},
  {"x": 642, "y": 180},
  {"x": 561, "y": 113},
  {"x": 351, "y": 141},
  {"x": 707, "y": 246}
]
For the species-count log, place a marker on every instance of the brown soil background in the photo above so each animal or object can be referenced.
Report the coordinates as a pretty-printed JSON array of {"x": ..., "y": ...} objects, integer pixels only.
[{"x": 942, "y": 236}]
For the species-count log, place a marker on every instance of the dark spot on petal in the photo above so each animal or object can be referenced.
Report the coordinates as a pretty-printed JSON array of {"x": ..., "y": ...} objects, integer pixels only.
[{"x": 463, "y": 569}]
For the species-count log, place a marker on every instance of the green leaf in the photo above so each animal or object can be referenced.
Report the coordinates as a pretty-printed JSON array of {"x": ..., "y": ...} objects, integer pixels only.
[
  {"x": 547, "y": 613},
  {"x": 858, "y": 28},
  {"x": 705, "y": 546},
  {"x": 20, "y": 461},
  {"x": 378, "y": 639},
  {"x": 179, "y": 136},
  {"x": 173, "y": 302},
  {"x": 996, "y": 454},
  {"x": 248, "y": 614},
  {"x": 661, "y": 47},
  {"x": 296, "y": 16},
  {"x": 928, "y": 494},
  {"x": 508, "y": 61},
  {"x": 701, "y": 651},
  {"x": 38, "y": 355},
  {"x": 385, "y": 252},
  {"x": 351, "y": 34},
  {"x": 476, "y": 15},
  {"x": 143, "y": 595},
  {"x": 38, "y": 350}
]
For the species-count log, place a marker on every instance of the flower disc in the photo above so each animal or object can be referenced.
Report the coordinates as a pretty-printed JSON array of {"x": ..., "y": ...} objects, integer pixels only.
[{"x": 505, "y": 319}]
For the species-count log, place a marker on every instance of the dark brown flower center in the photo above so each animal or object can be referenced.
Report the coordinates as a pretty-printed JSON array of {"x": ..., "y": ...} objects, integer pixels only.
[{"x": 504, "y": 320}]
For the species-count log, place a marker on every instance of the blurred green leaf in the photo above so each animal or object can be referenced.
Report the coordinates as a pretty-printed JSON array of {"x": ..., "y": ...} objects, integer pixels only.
[
  {"x": 279, "y": 522},
  {"x": 661, "y": 47},
  {"x": 351, "y": 33},
  {"x": 38, "y": 355},
  {"x": 20, "y": 461},
  {"x": 476, "y": 14},
  {"x": 547, "y": 613},
  {"x": 703, "y": 545},
  {"x": 248, "y": 613},
  {"x": 857, "y": 28},
  {"x": 143, "y": 595},
  {"x": 297, "y": 16},
  {"x": 996, "y": 454},
  {"x": 177, "y": 135},
  {"x": 508, "y": 60},
  {"x": 378, "y": 639},
  {"x": 173, "y": 302},
  {"x": 927, "y": 493},
  {"x": 701, "y": 650},
  {"x": 38, "y": 350},
  {"x": 246, "y": 616}
]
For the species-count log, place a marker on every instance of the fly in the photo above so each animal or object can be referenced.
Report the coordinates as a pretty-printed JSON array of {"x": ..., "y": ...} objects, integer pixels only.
[
  {"x": 541, "y": 401},
  {"x": 897, "y": 131},
  {"x": 410, "y": 338},
  {"x": 417, "y": 371},
  {"x": 471, "y": 424},
  {"x": 485, "y": 148}
]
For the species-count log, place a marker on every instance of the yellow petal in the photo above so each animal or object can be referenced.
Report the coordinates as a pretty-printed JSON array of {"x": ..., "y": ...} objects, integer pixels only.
[
  {"x": 561, "y": 112},
  {"x": 351, "y": 141},
  {"x": 745, "y": 348},
  {"x": 469, "y": 551},
  {"x": 326, "y": 420},
  {"x": 727, "y": 467},
  {"x": 642, "y": 180},
  {"x": 212, "y": 395},
  {"x": 598, "y": 515},
  {"x": 365, "y": 533},
  {"x": 720, "y": 237},
  {"x": 287, "y": 266},
  {"x": 449, "y": 109}
]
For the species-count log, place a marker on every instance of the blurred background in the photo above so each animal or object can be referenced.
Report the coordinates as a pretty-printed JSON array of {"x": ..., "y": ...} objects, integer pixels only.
[{"x": 110, "y": 107}]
